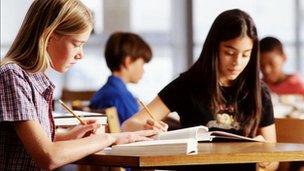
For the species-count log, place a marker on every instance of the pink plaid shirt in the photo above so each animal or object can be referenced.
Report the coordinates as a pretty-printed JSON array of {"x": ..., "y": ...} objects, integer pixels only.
[{"x": 24, "y": 96}]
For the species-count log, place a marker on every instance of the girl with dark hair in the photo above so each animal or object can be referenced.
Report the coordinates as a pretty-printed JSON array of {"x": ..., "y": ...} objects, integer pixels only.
[{"x": 222, "y": 90}]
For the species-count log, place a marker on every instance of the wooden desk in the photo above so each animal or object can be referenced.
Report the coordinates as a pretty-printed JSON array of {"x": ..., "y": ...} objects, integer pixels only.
[{"x": 209, "y": 153}]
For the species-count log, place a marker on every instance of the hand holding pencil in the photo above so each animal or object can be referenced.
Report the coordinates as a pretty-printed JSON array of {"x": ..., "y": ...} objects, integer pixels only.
[
  {"x": 86, "y": 128},
  {"x": 71, "y": 111},
  {"x": 153, "y": 123}
]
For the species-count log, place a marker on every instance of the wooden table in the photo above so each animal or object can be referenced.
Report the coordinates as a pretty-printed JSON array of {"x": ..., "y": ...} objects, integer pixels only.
[{"x": 209, "y": 153}]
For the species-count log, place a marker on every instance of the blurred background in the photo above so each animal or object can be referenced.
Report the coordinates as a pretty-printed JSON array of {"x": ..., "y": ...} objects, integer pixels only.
[{"x": 175, "y": 29}]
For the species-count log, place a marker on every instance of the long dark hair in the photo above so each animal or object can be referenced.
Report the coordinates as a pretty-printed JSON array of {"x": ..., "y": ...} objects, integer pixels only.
[{"x": 205, "y": 73}]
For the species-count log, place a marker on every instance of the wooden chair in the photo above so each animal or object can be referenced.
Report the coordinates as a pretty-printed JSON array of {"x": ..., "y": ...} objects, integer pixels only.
[
  {"x": 77, "y": 100},
  {"x": 290, "y": 131},
  {"x": 69, "y": 95},
  {"x": 113, "y": 120}
]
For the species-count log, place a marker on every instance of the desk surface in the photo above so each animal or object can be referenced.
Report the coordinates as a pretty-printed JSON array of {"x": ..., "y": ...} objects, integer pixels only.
[{"x": 209, "y": 153}]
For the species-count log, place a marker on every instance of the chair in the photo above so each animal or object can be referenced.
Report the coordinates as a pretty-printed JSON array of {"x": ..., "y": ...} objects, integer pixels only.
[
  {"x": 113, "y": 120},
  {"x": 290, "y": 131},
  {"x": 112, "y": 116},
  {"x": 77, "y": 100},
  {"x": 69, "y": 95}
]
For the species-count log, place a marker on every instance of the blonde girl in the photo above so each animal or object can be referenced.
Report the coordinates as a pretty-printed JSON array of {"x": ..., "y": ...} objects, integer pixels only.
[{"x": 52, "y": 35}]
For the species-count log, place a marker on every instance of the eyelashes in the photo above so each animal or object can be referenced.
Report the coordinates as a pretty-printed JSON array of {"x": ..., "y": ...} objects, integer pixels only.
[{"x": 234, "y": 54}]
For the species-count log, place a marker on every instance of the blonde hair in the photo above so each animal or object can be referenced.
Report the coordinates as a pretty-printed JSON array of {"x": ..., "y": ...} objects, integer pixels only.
[{"x": 63, "y": 17}]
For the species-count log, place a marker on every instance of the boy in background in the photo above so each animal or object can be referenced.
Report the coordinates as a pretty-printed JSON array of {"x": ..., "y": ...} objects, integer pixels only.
[
  {"x": 125, "y": 54},
  {"x": 272, "y": 60}
]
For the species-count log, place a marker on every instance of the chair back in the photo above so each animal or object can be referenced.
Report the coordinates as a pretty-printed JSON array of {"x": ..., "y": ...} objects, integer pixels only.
[
  {"x": 290, "y": 130},
  {"x": 69, "y": 95}
]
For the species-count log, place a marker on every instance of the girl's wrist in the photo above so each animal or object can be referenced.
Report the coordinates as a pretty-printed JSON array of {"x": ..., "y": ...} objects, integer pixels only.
[{"x": 109, "y": 138}]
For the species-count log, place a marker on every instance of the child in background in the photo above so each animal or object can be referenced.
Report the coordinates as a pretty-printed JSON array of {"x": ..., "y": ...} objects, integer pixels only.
[
  {"x": 224, "y": 81},
  {"x": 272, "y": 61},
  {"x": 52, "y": 35},
  {"x": 125, "y": 54}
]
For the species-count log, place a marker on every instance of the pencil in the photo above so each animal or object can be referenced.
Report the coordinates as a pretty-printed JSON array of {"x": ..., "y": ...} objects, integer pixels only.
[
  {"x": 147, "y": 109},
  {"x": 69, "y": 110}
]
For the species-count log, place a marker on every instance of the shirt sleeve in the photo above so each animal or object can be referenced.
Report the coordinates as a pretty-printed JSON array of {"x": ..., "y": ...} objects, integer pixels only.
[
  {"x": 16, "y": 97},
  {"x": 267, "y": 117},
  {"x": 172, "y": 94},
  {"x": 299, "y": 84}
]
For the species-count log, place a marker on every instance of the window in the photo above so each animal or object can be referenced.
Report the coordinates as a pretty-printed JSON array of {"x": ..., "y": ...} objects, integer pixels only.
[
  {"x": 11, "y": 21},
  {"x": 151, "y": 21},
  {"x": 150, "y": 15},
  {"x": 158, "y": 73},
  {"x": 97, "y": 11}
]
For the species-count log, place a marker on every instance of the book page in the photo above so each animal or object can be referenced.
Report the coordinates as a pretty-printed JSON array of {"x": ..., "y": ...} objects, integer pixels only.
[
  {"x": 227, "y": 135},
  {"x": 79, "y": 113},
  {"x": 200, "y": 133},
  {"x": 193, "y": 132},
  {"x": 160, "y": 142}
]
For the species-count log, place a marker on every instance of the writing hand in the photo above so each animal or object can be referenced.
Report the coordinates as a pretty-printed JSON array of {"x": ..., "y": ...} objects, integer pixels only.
[
  {"x": 159, "y": 126},
  {"x": 129, "y": 137}
]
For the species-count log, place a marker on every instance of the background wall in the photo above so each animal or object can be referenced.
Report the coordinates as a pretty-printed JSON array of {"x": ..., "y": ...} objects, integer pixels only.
[{"x": 175, "y": 30}]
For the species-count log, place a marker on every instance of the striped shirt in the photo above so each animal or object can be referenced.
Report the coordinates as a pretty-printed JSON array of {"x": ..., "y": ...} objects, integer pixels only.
[{"x": 24, "y": 96}]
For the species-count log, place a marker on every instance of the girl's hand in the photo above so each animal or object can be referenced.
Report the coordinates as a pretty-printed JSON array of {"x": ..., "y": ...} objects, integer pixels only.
[
  {"x": 80, "y": 131},
  {"x": 158, "y": 126},
  {"x": 260, "y": 138},
  {"x": 269, "y": 165},
  {"x": 129, "y": 137}
]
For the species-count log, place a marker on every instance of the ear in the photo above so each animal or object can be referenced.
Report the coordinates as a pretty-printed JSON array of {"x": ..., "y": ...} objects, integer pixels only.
[
  {"x": 53, "y": 37},
  {"x": 127, "y": 62},
  {"x": 51, "y": 40},
  {"x": 284, "y": 57}
]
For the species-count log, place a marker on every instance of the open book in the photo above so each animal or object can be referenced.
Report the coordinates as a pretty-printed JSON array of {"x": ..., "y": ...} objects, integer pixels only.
[
  {"x": 201, "y": 133},
  {"x": 155, "y": 147},
  {"x": 181, "y": 141}
]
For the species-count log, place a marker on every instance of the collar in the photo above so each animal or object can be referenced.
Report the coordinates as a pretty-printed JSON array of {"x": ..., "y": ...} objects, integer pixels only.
[
  {"x": 117, "y": 82},
  {"x": 41, "y": 82}
]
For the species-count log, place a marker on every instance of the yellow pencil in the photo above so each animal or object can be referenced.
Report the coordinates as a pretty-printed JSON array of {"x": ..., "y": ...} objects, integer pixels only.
[
  {"x": 69, "y": 110},
  {"x": 147, "y": 109}
]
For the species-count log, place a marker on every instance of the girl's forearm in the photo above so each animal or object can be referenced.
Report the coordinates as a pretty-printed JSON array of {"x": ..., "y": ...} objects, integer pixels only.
[{"x": 63, "y": 152}]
